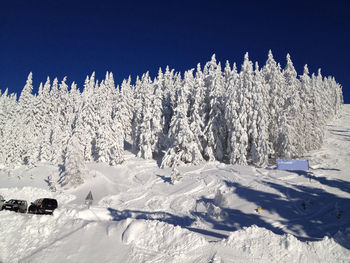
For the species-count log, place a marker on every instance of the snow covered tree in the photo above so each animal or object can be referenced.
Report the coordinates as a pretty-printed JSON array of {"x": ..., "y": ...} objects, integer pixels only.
[
  {"x": 103, "y": 109},
  {"x": 158, "y": 120},
  {"x": 29, "y": 145},
  {"x": 196, "y": 120},
  {"x": 290, "y": 135},
  {"x": 289, "y": 117},
  {"x": 169, "y": 99},
  {"x": 306, "y": 97},
  {"x": 43, "y": 122},
  {"x": 231, "y": 116},
  {"x": 11, "y": 134},
  {"x": 259, "y": 136},
  {"x": 242, "y": 133},
  {"x": 110, "y": 134},
  {"x": 175, "y": 174},
  {"x": 89, "y": 118},
  {"x": 3, "y": 111},
  {"x": 137, "y": 115},
  {"x": 125, "y": 105},
  {"x": 146, "y": 139},
  {"x": 116, "y": 151},
  {"x": 183, "y": 145},
  {"x": 65, "y": 118},
  {"x": 246, "y": 117},
  {"x": 74, "y": 164},
  {"x": 275, "y": 83},
  {"x": 214, "y": 112}
]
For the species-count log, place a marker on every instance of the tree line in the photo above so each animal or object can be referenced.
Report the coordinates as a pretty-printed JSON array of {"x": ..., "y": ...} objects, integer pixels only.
[{"x": 209, "y": 113}]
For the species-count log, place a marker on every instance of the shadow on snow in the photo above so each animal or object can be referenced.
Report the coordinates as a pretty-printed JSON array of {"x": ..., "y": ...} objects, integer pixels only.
[
  {"x": 166, "y": 179},
  {"x": 233, "y": 219},
  {"x": 159, "y": 216},
  {"x": 335, "y": 183},
  {"x": 174, "y": 220},
  {"x": 307, "y": 213}
]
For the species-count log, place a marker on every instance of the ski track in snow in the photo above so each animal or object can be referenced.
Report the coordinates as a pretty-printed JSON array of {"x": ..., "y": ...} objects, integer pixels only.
[{"x": 138, "y": 216}]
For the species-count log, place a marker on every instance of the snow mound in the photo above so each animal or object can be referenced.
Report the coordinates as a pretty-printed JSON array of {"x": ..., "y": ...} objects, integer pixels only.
[
  {"x": 256, "y": 244},
  {"x": 161, "y": 237},
  {"x": 23, "y": 234}
]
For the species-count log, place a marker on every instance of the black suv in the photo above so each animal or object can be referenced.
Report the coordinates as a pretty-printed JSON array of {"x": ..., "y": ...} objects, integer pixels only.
[
  {"x": 16, "y": 205},
  {"x": 43, "y": 206}
]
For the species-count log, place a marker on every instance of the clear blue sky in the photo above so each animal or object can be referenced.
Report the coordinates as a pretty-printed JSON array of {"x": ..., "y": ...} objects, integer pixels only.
[{"x": 74, "y": 38}]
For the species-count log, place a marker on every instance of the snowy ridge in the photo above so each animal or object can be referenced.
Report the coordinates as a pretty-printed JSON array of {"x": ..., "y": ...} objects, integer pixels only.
[
  {"x": 52, "y": 239},
  {"x": 255, "y": 244}
]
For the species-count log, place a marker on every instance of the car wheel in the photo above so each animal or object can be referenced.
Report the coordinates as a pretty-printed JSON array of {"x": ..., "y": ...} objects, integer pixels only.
[{"x": 31, "y": 210}]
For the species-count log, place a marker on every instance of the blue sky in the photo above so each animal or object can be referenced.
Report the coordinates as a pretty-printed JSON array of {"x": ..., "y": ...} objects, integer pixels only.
[{"x": 75, "y": 38}]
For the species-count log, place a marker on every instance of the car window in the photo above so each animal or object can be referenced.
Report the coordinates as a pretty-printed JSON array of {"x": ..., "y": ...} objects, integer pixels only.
[{"x": 52, "y": 202}]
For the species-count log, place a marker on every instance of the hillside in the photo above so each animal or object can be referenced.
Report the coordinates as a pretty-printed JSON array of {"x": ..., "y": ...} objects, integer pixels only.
[{"x": 210, "y": 215}]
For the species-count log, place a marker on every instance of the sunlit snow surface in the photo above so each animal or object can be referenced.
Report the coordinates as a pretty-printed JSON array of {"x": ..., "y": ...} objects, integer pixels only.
[{"x": 138, "y": 216}]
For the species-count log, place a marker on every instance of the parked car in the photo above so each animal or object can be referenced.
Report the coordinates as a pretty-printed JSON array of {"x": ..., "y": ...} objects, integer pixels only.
[
  {"x": 16, "y": 205},
  {"x": 2, "y": 201},
  {"x": 43, "y": 206}
]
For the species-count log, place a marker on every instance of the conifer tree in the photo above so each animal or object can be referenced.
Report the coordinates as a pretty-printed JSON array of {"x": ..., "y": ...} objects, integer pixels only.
[
  {"x": 43, "y": 122},
  {"x": 146, "y": 137},
  {"x": 196, "y": 120},
  {"x": 11, "y": 139},
  {"x": 74, "y": 164},
  {"x": 137, "y": 115},
  {"x": 29, "y": 144},
  {"x": 291, "y": 115},
  {"x": 259, "y": 137},
  {"x": 275, "y": 83},
  {"x": 125, "y": 104},
  {"x": 168, "y": 99},
  {"x": 183, "y": 147},
  {"x": 306, "y": 93},
  {"x": 89, "y": 118},
  {"x": 158, "y": 120},
  {"x": 214, "y": 112}
]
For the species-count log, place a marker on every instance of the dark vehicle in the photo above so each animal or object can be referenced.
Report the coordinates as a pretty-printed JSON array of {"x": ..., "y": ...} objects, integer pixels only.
[
  {"x": 16, "y": 205},
  {"x": 2, "y": 201},
  {"x": 43, "y": 206}
]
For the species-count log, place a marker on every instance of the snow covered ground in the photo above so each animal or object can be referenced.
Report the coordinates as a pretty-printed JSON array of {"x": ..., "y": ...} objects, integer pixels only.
[{"x": 210, "y": 215}]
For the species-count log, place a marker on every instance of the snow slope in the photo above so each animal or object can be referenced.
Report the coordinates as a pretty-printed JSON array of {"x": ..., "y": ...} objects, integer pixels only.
[{"x": 138, "y": 216}]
